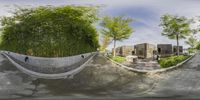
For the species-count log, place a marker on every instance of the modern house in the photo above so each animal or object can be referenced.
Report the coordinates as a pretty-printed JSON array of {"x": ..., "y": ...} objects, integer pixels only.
[
  {"x": 164, "y": 50},
  {"x": 175, "y": 48},
  {"x": 144, "y": 50},
  {"x": 125, "y": 50}
]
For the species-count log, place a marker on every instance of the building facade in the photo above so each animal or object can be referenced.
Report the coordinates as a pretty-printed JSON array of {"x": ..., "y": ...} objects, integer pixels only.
[
  {"x": 144, "y": 50},
  {"x": 164, "y": 50},
  {"x": 175, "y": 48},
  {"x": 125, "y": 50}
]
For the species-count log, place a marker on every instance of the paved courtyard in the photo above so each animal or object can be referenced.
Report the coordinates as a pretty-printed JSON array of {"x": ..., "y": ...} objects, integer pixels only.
[
  {"x": 182, "y": 82},
  {"x": 102, "y": 79},
  {"x": 143, "y": 64}
]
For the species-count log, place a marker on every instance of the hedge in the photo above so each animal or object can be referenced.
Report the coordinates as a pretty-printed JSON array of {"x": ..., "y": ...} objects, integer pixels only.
[{"x": 50, "y": 31}]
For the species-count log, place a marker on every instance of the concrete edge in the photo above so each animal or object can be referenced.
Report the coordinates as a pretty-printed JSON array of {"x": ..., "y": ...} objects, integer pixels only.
[
  {"x": 39, "y": 57},
  {"x": 49, "y": 76},
  {"x": 151, "y": 71}
]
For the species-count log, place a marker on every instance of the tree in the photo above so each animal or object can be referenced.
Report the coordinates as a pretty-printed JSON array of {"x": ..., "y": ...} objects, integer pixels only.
[
  {"x": 50, "y": 31},
  {"x": 195, "y": 25},
  {"x": 117, "y": 28},
  {"x": 192, "y": 42},
  {"x": 106, "y": 41},
  {"x": 175, "y": 27}
]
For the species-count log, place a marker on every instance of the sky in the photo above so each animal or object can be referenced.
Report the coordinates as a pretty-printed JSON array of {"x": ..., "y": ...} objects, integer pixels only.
[{"x": 145, "y": 14}]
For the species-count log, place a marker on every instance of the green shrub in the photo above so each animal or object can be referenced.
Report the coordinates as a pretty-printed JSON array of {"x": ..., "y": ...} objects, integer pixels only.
[
  {"x": 171, "y": 61},
  {"x": 191, "y": 50},
  {"x": 50, "y": 31},
  {"x": 198, "y": 46},
  {"x": 118, "y": 58}
]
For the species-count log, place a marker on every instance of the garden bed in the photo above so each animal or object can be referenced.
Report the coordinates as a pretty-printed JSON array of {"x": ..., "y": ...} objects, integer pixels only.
[
  {"x": 164, "y": 69},
  {"x": 118, "y": 59},
  {"x": 171, "y": 61}
]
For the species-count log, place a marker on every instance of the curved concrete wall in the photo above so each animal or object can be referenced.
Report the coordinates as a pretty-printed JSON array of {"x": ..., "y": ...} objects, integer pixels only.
[
  {"x": 68, "y": 74},
  {"x": 49, "y": 62}
]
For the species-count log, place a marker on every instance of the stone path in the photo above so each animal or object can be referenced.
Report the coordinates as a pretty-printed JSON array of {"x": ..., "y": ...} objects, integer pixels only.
[{"x": 143, "y": 65}]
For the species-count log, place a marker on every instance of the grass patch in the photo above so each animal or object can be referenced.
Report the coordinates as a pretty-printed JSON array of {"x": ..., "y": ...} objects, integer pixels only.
[
  {"x": 118, "y": 58},
  {"x": 171, "y": 61}
]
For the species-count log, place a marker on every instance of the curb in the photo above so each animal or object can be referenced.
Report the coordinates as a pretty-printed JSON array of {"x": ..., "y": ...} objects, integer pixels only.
[{"x": 151, "y": 71}]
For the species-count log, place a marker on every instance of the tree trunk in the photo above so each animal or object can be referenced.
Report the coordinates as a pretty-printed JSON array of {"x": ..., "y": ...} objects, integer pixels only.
[
  {"x": 114, "y": 51},
  {"x": 177, "y": 40}
]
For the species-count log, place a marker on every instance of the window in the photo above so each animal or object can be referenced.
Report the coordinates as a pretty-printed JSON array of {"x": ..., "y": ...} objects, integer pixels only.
[
  {"x": 159, "y": 50},
  {"x": 133, "y": 52}
]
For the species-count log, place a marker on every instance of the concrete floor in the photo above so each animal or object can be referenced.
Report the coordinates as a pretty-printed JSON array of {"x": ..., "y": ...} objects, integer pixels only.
[
  {"x": 101, "y": 80},
  {"x": 184, "y": 82}
]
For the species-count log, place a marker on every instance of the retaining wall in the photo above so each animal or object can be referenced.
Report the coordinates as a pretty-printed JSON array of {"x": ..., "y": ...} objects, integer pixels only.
[
  {"x": 48, "y": 62},
  {"x": 68, "y": 74}
]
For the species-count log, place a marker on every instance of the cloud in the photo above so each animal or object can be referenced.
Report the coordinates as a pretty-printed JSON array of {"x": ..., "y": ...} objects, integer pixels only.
[{"x": 147, "y": 15}]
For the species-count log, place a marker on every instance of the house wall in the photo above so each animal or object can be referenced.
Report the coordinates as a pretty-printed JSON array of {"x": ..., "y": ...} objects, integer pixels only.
[
  {"x": 118, "y": 51},
  {"x": 124, "y": 50},
  {"x": 180, "y": 49},
  {"x": 127, "y": 50},
  {"x": 144, "y": 50},
  {"x": 150, "y": 49},
  {"x": 165, "y": 50},
  {"x": 140, "y": 50}
]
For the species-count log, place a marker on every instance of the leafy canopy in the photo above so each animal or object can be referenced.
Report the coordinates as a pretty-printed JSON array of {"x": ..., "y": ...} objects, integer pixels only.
[
  {"x": 175, "y": 26},
  {"x": 117, "y": 27},
  {"x": 106, "y": 41},
  {"x": 192, "y": 42},
  {"x": 50, "y": 31}
]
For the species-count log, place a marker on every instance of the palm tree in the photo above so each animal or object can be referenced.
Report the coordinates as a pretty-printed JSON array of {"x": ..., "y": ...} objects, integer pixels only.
[
  {"x": 175, "y": 27},
  {"x": 117, "y": 28}
]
